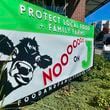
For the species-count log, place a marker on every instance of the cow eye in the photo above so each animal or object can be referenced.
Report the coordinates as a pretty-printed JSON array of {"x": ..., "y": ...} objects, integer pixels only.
[
  {"x": 29, "y": 46},
  {"x": 34, "y": 48}
]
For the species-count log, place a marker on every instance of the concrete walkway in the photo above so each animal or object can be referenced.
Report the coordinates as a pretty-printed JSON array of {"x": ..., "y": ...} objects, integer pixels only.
[{"x": 98, "y": 51}]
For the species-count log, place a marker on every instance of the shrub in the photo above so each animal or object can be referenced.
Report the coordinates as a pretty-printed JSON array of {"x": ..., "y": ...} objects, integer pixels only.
[{"x": 102, "y": 99}]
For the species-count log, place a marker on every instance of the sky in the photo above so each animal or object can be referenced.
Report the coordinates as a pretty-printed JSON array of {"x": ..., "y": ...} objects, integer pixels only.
[{"x": 101, "y": 14}]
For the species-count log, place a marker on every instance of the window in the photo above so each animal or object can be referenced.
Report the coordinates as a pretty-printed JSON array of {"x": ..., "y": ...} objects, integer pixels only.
[{"x": 63, "y": 7}]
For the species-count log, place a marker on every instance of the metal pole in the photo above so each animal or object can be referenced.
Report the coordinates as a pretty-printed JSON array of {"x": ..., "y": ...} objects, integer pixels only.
[
  {"x": 53, "y": 5},
  {"x": 43, "y": 4},
  {"x": 65, "y": 8}
]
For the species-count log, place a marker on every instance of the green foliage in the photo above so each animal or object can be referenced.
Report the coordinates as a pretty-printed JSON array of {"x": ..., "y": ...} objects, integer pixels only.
[{"x": 102, "y": 99}]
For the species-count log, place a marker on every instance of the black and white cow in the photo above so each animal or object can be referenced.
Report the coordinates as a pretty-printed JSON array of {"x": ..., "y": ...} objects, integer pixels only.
[{"x": 25, "y": 58}]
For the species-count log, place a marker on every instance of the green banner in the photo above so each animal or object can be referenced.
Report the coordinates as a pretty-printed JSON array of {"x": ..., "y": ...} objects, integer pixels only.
[{"x": 22, "y": 16}]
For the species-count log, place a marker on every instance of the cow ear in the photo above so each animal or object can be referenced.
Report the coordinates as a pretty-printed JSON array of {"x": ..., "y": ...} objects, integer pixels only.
[{"x": 34, "y": 38}]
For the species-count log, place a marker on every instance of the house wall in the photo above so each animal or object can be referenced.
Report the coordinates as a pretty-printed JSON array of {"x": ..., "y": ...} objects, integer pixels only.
[{"x": 79, "y": 13}]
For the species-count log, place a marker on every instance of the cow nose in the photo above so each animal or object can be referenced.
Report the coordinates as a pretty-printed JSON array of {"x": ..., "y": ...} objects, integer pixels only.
[
  {"x": 24, "y": 68},
  {"x": 22, "y": 71},
  {"x": 21, "y": 67}
]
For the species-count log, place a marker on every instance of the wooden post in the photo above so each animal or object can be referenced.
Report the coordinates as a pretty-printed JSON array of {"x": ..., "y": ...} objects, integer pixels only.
[
  {"x": 69, "y": 86},
  {"x": 17, "y": 108}
]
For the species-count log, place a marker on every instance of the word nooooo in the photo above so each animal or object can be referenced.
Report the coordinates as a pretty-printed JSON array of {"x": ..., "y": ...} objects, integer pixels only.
[{"x": 57, "y": 68}]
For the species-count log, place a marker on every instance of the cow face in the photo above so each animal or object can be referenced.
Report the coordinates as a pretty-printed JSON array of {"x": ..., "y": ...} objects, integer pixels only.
[{"x": 25, "y": 59}]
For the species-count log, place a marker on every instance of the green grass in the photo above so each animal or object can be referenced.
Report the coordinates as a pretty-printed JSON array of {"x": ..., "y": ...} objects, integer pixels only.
[
  {"x": 88, "y": 92},
  {"x": 80, "y": 97}
]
